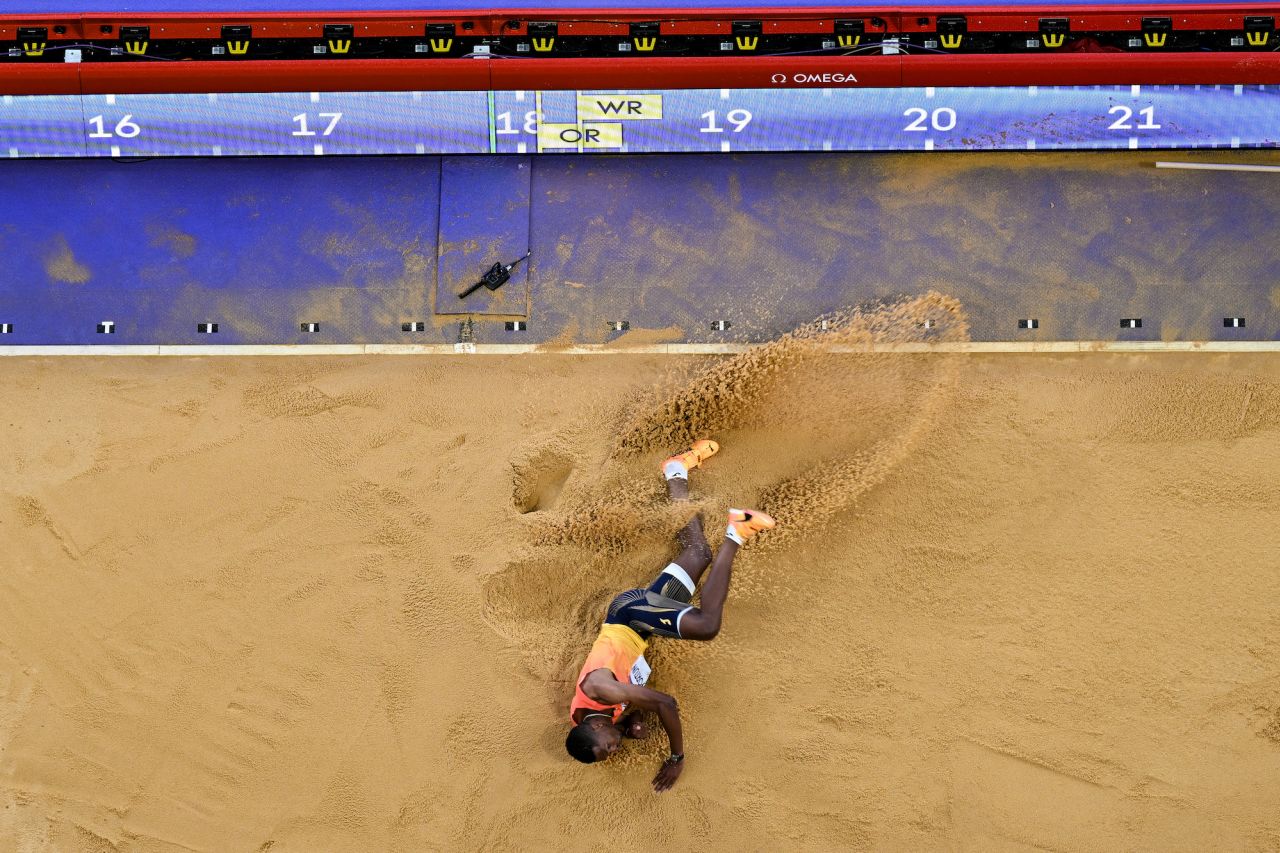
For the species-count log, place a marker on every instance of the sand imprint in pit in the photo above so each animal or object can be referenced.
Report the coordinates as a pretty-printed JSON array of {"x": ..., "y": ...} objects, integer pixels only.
[{"x": 802, "y": 439}]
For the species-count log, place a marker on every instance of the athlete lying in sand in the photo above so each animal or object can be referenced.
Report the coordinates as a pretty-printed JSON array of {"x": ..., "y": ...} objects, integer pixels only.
[{"x": 610, "y": 691}]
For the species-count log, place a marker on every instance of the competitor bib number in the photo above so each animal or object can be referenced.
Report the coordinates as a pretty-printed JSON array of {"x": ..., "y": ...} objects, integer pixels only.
[{"x": 640, "y": 671}]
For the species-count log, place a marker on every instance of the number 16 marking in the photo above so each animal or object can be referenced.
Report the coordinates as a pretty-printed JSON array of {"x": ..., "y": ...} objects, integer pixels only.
[{"x": 301, "y": 121}]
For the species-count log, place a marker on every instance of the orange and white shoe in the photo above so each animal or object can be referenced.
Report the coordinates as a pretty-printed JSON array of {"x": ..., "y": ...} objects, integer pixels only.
[
  {"x": 745, "y": 523},
  {"x": 702, "y": 450}
]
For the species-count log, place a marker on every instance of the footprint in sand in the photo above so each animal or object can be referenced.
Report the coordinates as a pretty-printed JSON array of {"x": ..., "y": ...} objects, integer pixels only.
[{"x": 539, "y": 477}]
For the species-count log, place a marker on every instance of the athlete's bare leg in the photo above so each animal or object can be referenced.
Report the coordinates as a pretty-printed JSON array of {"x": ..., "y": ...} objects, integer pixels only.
[
  {"x": 695, "y": 554},
  {"x": 703, "y": 622}
]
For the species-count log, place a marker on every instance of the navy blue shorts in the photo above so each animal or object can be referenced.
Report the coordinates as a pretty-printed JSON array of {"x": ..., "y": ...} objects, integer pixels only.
[{"x": 657, "y": 608}]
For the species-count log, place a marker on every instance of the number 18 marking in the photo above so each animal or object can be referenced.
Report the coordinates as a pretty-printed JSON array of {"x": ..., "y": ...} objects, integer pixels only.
[{"x": 301, "y": 121}]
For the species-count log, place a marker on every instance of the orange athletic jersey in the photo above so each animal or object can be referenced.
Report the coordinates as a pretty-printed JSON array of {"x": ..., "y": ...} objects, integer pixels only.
[{"x": 617, "y": 649}]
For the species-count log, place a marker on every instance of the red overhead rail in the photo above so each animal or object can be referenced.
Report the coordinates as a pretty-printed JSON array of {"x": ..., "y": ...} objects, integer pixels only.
[
  {"x": 868, "y": 69},
  {"x": 711, "y": 73}
]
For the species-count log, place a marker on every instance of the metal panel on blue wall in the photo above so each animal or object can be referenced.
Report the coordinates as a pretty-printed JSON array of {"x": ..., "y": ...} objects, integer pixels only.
[
  {"x": 484, "y": 220},
  {"x": 158, "y": 247}
]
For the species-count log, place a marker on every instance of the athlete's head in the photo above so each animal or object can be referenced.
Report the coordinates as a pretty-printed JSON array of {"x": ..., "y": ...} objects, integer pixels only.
[{"x": 593, "y": 740}]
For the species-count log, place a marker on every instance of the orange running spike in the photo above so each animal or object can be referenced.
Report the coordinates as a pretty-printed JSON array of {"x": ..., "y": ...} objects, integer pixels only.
[
  {"x": 748, "y": 522},
  {"x": 702, "y": 450}
]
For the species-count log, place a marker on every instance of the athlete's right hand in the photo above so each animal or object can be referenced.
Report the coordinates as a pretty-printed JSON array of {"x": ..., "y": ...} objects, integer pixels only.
[{"x": 667, "y": 775}]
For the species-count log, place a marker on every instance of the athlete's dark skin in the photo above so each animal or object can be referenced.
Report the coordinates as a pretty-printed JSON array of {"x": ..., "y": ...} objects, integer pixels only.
[{"x": 700, "y": 623}]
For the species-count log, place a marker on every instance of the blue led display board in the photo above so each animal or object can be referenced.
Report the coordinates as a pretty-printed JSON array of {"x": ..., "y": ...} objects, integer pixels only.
[{"x": 687, "y": 120}]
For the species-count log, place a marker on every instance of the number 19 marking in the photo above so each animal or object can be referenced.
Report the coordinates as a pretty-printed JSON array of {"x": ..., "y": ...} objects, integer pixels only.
[{"x": 738, "y": 118}]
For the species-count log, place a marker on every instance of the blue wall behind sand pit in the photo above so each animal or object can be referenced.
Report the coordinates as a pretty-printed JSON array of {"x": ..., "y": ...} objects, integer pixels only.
[{"x": 1077, "y": 241}]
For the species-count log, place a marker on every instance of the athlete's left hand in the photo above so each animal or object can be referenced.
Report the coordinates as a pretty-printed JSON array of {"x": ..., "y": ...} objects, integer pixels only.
[{"x": 667, "y": 776}]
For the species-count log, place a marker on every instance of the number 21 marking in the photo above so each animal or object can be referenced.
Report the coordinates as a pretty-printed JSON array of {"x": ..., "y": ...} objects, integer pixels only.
[{"x": 1122, "y": 123}]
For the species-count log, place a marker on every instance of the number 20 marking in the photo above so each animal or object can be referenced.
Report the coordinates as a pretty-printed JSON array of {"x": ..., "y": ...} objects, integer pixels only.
[
  {"x": 1122, "y": 123},
  {"x": 943, "y": 118},
  {"x": 301, "y": 121}
]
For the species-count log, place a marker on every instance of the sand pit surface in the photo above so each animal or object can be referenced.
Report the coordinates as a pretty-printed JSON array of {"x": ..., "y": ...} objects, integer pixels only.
[{"x": 301, "y": 604}]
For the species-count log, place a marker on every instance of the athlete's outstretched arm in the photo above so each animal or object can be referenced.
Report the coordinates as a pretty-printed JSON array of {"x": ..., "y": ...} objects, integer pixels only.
[{"x": 643, "y": 698}]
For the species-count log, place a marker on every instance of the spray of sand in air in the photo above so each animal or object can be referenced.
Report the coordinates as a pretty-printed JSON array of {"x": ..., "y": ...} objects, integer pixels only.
[
  {"x": 732, "y": 390},
  {"x": 754, "y": 387},
  {"x": 813, "y": 421}
]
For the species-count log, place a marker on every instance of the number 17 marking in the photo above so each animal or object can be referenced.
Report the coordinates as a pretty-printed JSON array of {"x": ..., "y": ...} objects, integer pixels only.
[{"x": 301, "y": 121}]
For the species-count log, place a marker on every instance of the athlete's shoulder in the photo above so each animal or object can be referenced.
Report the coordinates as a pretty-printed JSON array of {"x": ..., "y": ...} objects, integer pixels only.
[{"x": 595, "y": 680}]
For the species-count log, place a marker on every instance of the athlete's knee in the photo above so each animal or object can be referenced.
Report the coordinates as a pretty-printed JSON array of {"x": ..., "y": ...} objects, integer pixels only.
[
  {"x": 698, "y": 625},
  {"x": 696, "y": 556}
]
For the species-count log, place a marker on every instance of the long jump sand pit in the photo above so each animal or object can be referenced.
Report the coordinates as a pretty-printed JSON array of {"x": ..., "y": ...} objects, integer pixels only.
[{"x": 302, "y": 604}]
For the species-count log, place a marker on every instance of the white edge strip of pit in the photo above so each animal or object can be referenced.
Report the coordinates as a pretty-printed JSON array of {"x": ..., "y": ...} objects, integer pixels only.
[
  {"x": 1218, "y": 167},
  {"x": 245, "y": 350}
]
